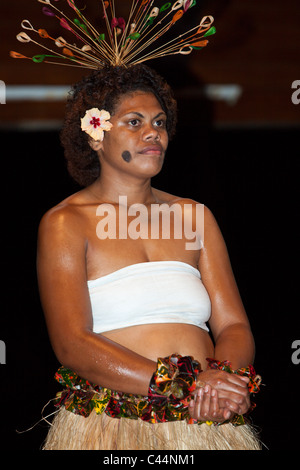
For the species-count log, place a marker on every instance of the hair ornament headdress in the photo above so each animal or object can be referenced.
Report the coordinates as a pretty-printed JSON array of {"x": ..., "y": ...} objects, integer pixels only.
[{"x": 124, "y": 43}]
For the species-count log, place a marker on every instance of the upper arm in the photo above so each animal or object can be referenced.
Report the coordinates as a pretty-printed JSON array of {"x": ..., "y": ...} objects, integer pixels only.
[
  {"x": 218, "y": 278},
  {"x": 61, "y": 272}
]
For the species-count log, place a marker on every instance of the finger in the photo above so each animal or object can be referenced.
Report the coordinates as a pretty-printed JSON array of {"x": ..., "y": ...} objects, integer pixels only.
[
  {"x": 214, "y": 401},
  {"x": 225, "y": 379},
  {"x": 202, "y": 403},
  {"x": 206, "y": 403},
  {"x": 219, "y": 414},
  {"x": 233, "y": 391},
  {"x": 198, "y": 399},
  {"x": 238, "y": 380},
  {"x": 235, "y": 404},
  {"x": 244, "y": 378},
  {"x": 227, "y": 414},
  {"x": 192, "y": 409},
  {"x": 215, "y": 404},
  {"x": 229, "y": 405}
]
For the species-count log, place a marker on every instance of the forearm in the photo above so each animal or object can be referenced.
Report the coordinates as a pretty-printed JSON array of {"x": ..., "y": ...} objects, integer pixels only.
[
  {"x": 235, "y": 344},
  {"x": 106, "y": 363}
]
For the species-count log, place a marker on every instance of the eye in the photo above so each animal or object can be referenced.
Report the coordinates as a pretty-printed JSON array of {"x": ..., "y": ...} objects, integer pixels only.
[
  {"x": 134, "y": 122},
  {"x": 160, "y": 123}
]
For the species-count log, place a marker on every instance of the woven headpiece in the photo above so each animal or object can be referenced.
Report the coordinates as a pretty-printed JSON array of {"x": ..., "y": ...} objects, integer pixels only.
[{"x": 124, "y": 42}]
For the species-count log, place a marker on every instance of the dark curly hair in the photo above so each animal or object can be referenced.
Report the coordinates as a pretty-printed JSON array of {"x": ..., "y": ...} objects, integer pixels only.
[{"x": 103, "y": 89}]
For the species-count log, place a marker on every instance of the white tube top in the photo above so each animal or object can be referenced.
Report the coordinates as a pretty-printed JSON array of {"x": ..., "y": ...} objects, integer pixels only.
[{"x": 149, "y": 292}]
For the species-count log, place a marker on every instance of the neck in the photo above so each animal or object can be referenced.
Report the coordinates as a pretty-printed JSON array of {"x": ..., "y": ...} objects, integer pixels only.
[{"x": 110, "y": 189}]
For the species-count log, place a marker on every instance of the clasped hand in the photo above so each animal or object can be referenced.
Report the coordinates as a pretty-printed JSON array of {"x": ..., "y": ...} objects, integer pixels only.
[{"x": 219, "y": 397}]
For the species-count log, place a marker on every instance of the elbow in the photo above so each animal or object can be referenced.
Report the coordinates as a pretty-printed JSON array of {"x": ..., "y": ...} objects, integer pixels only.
[
  {"x": 235, "y": 329},
  {"x": 242, "y": 328},
  {"x": 240, "y": 334},
  {"x": 70, "y": 349},
  {"x": 64, "y": 353}
]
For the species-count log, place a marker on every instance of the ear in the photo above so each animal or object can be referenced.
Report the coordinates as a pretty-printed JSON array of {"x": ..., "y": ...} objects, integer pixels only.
[{"x": 96, "y": 144}]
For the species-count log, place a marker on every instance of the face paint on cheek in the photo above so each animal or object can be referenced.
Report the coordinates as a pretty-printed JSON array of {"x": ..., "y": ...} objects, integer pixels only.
[{"x": 126, "y": 155}]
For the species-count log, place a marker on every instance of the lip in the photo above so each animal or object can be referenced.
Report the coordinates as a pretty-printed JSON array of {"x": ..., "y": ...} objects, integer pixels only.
[{"x": 152, "y": 150}]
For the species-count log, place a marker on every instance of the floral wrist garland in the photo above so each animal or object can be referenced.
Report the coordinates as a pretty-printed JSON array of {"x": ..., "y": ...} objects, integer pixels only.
[
  {"x": 175, "y": 377},
  {"x": 170, "y": 392},
  {"x": 172, "y": 385}
]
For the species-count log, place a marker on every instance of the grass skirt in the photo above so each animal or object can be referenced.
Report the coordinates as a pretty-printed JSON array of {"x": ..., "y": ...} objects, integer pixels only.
[{"x": 100, "y": 432}]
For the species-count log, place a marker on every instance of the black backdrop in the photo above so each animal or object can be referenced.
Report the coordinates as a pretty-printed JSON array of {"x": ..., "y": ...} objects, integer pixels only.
[{"x": 247, "y": 177}]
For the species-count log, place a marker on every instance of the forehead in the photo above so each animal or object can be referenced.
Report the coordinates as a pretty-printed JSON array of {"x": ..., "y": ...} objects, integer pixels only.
[{"x": 141, "y": 101}]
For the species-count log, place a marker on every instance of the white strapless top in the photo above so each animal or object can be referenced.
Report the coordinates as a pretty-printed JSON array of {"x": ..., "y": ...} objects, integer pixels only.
[{"x": 149, "y": 292}]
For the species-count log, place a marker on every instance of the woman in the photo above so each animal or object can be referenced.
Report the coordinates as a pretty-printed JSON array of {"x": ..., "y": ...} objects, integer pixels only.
[{"x": 115, "y": 301}]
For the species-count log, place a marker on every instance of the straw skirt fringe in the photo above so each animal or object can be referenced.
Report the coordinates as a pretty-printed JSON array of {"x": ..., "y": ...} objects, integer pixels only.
[{"x": 100, "y": 432}]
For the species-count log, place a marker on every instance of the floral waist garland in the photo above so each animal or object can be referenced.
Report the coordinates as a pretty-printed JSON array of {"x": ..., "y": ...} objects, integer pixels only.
[{"x": 170, "y": 392}]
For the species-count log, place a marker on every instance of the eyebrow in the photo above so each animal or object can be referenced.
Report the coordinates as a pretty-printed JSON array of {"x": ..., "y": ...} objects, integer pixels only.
[{"x": 141, "y": 115}]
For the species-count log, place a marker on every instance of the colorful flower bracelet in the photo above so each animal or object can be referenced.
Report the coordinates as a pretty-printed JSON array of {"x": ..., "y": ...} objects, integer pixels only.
[{"x": 170, "y": 391}]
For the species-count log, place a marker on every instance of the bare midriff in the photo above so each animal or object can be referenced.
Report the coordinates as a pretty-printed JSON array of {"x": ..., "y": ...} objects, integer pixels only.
[{"x": 163, "y": 339}]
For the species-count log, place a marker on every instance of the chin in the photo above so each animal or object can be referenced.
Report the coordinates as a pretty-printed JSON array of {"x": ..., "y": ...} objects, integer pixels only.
[
  {"x": 150, "y": 170},
  {"x": 151, "y": 164}
]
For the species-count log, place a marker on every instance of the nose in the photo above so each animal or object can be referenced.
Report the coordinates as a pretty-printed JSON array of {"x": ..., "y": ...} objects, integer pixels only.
[{"x": 151, "y": 133}]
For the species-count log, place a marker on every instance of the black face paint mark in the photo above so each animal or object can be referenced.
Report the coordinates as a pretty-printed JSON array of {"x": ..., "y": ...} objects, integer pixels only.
[{"x": 126, "y": 155}]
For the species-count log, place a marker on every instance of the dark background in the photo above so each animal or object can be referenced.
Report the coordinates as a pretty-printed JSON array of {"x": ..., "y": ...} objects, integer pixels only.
[
  {"x": 242, "y": 161},
  {"x": 255, "y": 203}
]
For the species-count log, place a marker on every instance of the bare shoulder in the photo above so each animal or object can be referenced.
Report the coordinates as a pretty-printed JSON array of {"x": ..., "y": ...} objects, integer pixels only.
[
  {"x": 61, "y": 244},
  {"x": 61, "y": 216},
  {"x": 164, "y": 197},
  {"x": 63, "y": 219},
  {"x": 210, "y": 219},
  {"x": 189, "y": 205}
]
